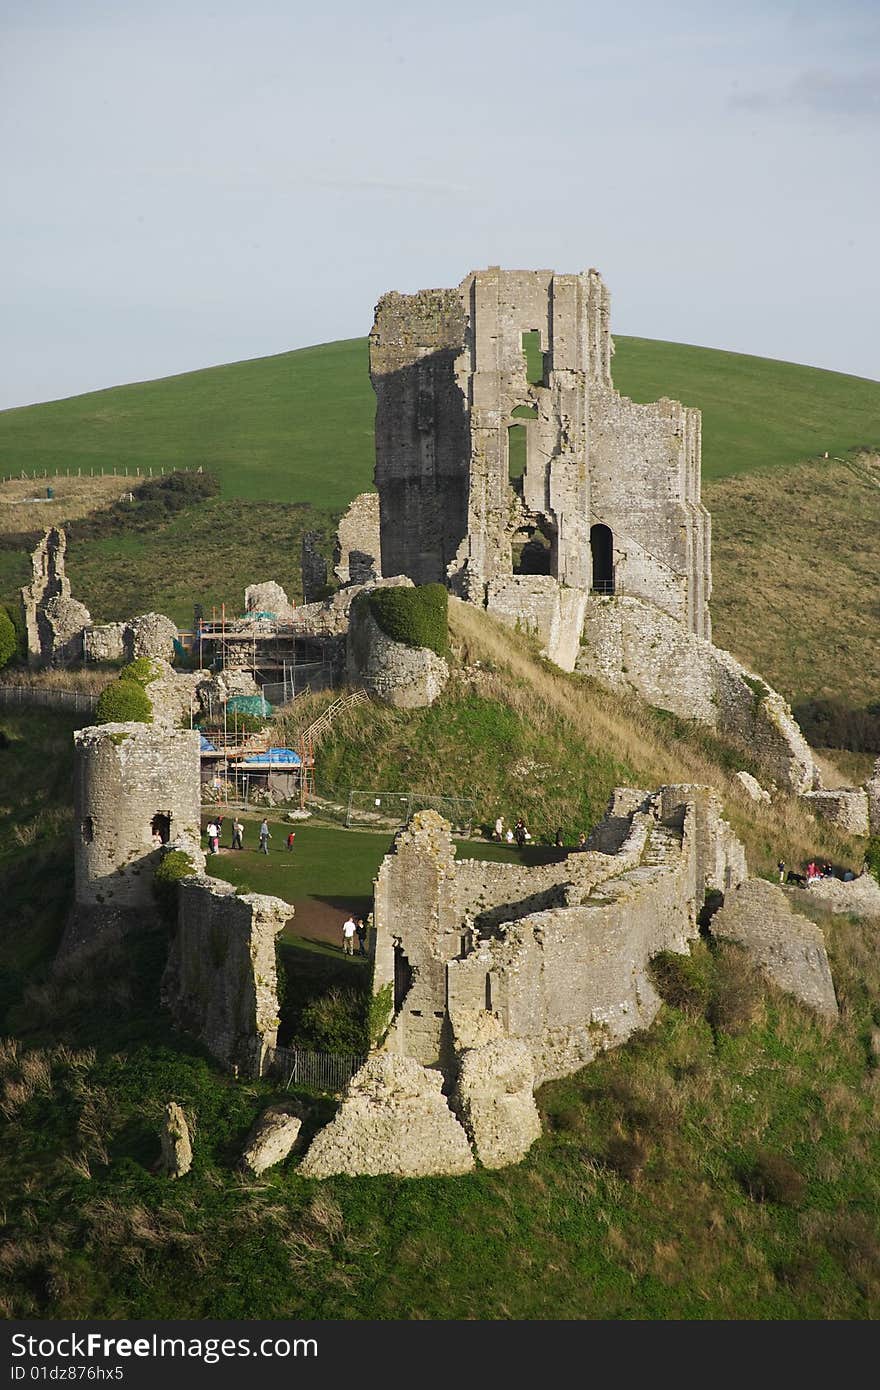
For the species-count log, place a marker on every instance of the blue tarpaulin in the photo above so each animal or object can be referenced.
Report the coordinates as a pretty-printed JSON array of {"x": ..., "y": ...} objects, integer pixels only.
[
  {"x": 205, "y": 745},
  {"x": 275, "y": 757}
]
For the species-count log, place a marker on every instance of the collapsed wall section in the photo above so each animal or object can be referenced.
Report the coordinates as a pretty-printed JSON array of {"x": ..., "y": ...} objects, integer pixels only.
[
  {"x": 630, "y": 645},
  {"x": 220, "y": 982}
]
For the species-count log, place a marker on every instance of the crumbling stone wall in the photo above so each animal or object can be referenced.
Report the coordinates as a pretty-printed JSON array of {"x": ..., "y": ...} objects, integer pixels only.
[
  {"x": 872, "y": 789},
  {"x": 786, "y": 947},
  {"x": 358, "y": 546},
  {"x": 845, "y": 807},
  {"x": 149, "y": 634},
  {"x": 268, "y": 597},
  {"x": 53, "y": 620},
  {"x": 124, "y": 776},
  {"x": 392, "y": 672},
  {"x": 631, "y": 645},
  {"x": 220, "y": 982},
  {"x": 451, "y": 382},
  {"x": 559, "y": 952}
]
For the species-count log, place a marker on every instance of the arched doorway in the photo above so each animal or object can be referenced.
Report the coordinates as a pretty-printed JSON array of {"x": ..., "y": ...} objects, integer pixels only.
[{"x": 602, "y": 549}]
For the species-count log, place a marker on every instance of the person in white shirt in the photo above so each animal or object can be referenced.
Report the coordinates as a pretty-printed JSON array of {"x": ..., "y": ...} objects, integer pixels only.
[{"x": 349, "y": 930}]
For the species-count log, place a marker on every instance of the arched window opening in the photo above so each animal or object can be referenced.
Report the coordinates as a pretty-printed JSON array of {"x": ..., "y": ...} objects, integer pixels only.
[
  {"x": 403, "y": 978},
  {"x": 602, "y": 549},
  {"x": 160, "y": 827},
  {"x": 88, "y": 830}
]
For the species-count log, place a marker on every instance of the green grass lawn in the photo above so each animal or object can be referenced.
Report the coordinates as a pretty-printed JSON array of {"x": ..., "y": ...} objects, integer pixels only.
[
  {"x": 298, "y": 427},
  {"x": 329, "y": 867}
]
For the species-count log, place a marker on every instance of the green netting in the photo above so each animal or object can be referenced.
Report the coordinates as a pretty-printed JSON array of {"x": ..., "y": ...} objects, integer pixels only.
[{"x": 248, "y": 704}]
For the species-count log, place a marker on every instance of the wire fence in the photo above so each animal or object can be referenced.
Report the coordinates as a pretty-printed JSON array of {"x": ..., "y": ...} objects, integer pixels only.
[
  {"x": 49, "y": 475},
  {"x": 53, "y": 699},
  {"x": 320, "y": 1071}
]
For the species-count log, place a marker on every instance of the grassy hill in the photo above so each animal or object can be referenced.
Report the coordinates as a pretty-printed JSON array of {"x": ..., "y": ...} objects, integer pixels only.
[
  {"x": 722, "y": 1164},
  {"x": 290, "y": 438},
  {"x": 298, "y": 427}
]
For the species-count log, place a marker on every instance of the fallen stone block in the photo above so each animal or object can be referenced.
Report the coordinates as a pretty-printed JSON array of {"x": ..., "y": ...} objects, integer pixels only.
[
  {"x": 394, "y": 1120},
  {"x": 271, "y": 1139},
  {"x": 177, "y": 1155},
  {"x": 495, "y": 1100}
]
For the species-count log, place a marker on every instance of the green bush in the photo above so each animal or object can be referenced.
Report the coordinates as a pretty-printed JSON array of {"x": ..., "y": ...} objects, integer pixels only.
[
  {"x": 8, "y": 638},
  {"x": 684, "y": 982},
  {"x": 172, "y": 867},
  {"x": 418, "y": 617},
  {"x": 142, "y": 670},
  {"x": 336, "y": 1022},
  {"x": 772, "y": 1177},
  {"x": 122, "y": 702},
  {"x": 737, "y": 991}
]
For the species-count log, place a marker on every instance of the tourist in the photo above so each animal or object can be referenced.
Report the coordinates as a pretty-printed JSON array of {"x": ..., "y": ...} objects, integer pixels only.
[
  {"x": 520, "y": 834},
  {"x": 290, "y": 839},
  {"x": 582, "y": 841},
  {"x": 349, "y": 931},
  {"x": 780, "y": 867},
  {"x": 498, "y": 832},
  {"x": 361, "y": 935},
  {"x": 508, "y": 835},
  {"x": 559, "y": 842},
  {"x": 213, "y": 833},
  {"x": 265, "y": 836},
  {"x": 237, "y": 834}
]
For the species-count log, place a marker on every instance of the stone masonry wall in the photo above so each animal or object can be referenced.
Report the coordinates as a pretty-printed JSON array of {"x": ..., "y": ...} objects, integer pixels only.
[
  {"x": 437, "y": 918},
  {"x": 358, "y": 550},
  {"x": 398, "y": 675},
  {"x": 451, "y": 382},
  {"x": 631, "y": 645},
  {"x": 124, "y": 774},
  {"x": 220, "y": 982}
]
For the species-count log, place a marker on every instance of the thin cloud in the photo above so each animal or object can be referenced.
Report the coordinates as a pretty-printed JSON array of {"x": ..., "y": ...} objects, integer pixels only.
[{"x": 820, "y": 91}]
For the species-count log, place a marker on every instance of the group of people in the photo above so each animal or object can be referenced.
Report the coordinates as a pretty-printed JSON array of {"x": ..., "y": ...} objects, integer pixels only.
[
  {"x": 812, "y": 873},
  {"x": 214, "y": 829},
  {"x": 516, "y": 834},
  {"x": 354, "y": 927}
]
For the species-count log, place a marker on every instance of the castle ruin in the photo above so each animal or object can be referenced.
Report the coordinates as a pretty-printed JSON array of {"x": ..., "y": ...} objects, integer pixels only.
[{"x": 508, "y": 465}]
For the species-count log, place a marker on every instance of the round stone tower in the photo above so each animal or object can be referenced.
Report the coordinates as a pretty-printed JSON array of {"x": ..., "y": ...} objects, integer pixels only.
[{"x": 136, "y": 788}]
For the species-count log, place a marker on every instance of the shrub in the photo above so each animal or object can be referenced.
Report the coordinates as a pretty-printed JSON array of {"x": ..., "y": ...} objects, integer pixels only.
[
  {"x": 122, "y": 702},
  {"x": 684, "y": 982},
  {"x": 627, "y": 1155},
  {"x": 737, "y": 991},
  {"x": 773, "y": 1178},
  {"x": 417, "y": 617},
  {"x": 142, "y": 670},
  {"x": 336, "y": 1022},
  {"x": 172, "y": 867},
  {"x": 8, "y": 638}
]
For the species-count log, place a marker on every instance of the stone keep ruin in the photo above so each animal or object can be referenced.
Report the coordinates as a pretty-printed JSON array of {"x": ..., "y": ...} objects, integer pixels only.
[
  {"x": 507, "y": 463},
  {"x": 509, "y": 467}
]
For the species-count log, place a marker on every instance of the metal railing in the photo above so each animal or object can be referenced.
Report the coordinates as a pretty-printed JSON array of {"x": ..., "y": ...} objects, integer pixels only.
[
  {"x": 53, "y": 699},
  {"x": 319, "y": 1071}
]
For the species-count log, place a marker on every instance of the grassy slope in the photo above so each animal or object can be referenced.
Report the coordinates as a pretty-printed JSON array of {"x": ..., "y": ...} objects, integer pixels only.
[
  {"x": 633, "y": 1204},
  {"x": 796, "y": 557},
  {"x": 299, "y": 427}
]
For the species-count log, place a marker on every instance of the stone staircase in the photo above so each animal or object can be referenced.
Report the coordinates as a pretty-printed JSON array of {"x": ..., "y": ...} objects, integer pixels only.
[{"x": 663, "y": 847}]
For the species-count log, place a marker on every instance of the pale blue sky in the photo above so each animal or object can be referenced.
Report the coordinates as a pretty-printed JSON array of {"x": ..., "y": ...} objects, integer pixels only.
[{"x": 204, "y": 181}]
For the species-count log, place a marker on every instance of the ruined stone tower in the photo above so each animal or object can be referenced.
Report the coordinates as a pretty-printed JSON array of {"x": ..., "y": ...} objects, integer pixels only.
[
  {"x": 509, "y": 466},
  {"x": 136, "y": 788}
]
